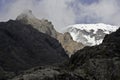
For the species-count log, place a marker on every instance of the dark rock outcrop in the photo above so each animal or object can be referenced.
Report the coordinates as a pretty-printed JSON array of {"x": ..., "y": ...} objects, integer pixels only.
[
  {"x": 47, "y": 73},
  {"x": 23, "y": 47}
]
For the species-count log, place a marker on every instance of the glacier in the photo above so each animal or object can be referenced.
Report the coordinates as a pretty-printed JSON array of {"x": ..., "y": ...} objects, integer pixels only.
[{"x": 90, "y": 34}]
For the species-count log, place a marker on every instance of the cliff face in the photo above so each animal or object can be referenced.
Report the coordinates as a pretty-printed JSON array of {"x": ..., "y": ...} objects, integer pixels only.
[{"x": 23, "y": 47}]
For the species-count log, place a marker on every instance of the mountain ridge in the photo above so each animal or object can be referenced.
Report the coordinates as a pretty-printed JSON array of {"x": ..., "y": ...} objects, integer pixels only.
[{"x": 47, "y": 27}]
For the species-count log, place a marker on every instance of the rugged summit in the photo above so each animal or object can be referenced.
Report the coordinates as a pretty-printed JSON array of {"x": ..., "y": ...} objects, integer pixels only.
[
  {"x": 23, "y": 47},
  {"x": 90, "y": 34},
  {"x": 43, "y": 25},
  {"x": 46, "y": 27}
]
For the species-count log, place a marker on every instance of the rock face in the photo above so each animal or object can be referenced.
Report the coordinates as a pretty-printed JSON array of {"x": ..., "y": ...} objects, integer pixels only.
[
  {"x": 99, "y": 62},
  {"x": 46, "y": 27},
  {"x": 23, "y": 47},
  {"x": 90, "y": 34},
  {"x": 68, "y": 44}
]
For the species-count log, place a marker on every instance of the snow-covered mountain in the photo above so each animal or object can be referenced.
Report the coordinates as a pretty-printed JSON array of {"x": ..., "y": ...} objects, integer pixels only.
[{"x": 90, "y": 34}]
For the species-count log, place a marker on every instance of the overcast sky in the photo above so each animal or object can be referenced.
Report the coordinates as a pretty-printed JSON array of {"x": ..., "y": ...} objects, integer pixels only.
[{"x": 64, "y": 12}]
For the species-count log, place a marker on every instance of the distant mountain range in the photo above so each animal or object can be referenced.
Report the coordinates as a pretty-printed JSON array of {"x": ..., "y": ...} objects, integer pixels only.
[{"x": 90, "y": 34}]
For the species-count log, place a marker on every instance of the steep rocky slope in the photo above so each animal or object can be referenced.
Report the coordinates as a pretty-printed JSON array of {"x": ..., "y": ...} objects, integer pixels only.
[
  {"x": 23, "y": 47},
  {"x": 46, "y": 27}
]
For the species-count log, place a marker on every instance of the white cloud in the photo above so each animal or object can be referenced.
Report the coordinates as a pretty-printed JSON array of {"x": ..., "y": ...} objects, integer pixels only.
[
  {"x": 106, "y": 11},
  {"x": 56, "y": 11},
  {"x": 62, "y": 15}
]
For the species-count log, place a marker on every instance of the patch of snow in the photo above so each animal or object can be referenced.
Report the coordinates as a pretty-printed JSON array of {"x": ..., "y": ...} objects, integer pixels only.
[{"x": 90, "y": 39}]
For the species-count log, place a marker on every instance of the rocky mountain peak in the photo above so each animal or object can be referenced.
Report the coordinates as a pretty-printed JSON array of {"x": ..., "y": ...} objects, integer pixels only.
[{"x": 42, "y": 25}]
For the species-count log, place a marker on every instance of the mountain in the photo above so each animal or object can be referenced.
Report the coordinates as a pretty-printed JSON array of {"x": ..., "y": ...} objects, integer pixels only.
[
  {"x": 27, "y": 53},
  {"x": 90, "y": 34},
  {"x": 100, "y": 62},
  {"x": 45, "y": 26},
  {"x": 23, "y": 47}
]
